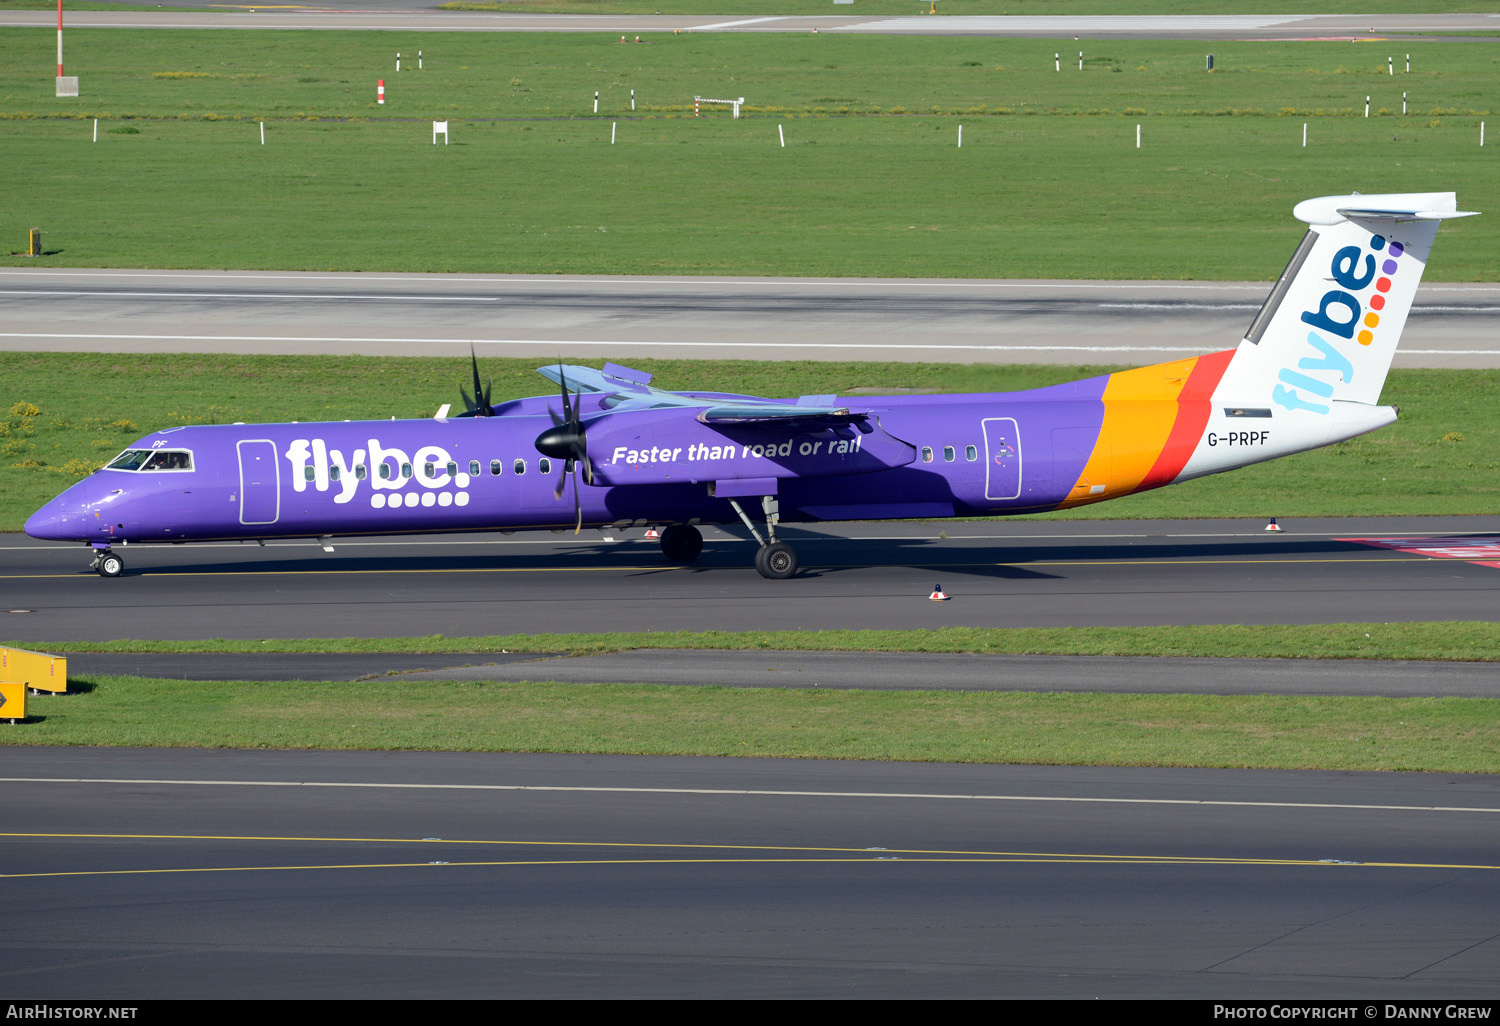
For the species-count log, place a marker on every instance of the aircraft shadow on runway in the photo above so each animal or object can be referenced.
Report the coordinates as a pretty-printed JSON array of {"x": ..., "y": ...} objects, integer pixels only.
[{"x": 821, "y": 556}]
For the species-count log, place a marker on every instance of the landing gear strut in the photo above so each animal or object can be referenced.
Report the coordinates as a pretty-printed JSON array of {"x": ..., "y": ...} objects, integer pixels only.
[
  {"x": 775, "y": 560},
  {"x": 107, "y": 563}
]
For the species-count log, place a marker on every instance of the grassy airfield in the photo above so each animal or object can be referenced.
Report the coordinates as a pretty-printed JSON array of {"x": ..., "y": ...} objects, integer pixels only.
[
  {"x": 1048, "y": 183},
  {"x": 871, "y": 181}
]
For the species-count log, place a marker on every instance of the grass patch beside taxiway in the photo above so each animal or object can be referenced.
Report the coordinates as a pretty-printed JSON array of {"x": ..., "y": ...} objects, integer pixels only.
[
  {"x": 1441, "y": 458},
  {"x": 1448, "y": 735},
  {"x": 1444, "y": 640}
]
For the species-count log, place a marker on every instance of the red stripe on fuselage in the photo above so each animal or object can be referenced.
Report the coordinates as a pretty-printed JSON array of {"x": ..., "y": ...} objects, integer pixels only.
[{"x": 1193, "y": 409}]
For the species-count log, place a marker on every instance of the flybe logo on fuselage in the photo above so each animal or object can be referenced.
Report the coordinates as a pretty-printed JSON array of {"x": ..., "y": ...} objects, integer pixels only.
[
  {"x": 1341, "y": 315},
  {"x": 388, "y": 472}
]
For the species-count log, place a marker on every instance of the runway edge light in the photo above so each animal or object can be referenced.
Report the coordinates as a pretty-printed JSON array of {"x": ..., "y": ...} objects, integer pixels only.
[{"x": 1272, "y": 526}]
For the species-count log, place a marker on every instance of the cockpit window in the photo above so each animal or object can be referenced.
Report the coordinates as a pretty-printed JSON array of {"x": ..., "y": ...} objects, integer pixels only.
[{"x": 152, "y": 459}]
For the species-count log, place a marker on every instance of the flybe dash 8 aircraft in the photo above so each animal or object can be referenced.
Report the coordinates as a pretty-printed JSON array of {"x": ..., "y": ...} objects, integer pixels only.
[{"x": 1308, "y": 373}]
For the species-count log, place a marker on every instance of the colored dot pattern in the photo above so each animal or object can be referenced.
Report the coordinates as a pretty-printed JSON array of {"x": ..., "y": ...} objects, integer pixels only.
[
  {"x": 1388, "y": 267},
  {"x": 412, "y": 499}
]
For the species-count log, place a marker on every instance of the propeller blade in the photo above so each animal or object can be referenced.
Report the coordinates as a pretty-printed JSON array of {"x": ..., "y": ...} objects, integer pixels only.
[{"x": 577, "y": 502}]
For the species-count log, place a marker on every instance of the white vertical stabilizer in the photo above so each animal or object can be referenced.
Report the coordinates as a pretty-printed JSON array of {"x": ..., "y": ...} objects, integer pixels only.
[{"x": 1310, "y": 369}]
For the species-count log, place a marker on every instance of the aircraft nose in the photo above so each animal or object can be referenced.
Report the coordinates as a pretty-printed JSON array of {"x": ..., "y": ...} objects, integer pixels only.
[{"x": 63, "y": 518}]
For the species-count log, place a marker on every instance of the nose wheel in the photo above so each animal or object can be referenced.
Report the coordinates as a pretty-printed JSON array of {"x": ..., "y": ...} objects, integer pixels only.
[{"x": 108, "y": 564}]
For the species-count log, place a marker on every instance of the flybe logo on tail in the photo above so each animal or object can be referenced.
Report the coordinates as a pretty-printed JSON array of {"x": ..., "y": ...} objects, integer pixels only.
[
  {"x": 1341, "y": 315},
  {"x": 389, "y": 471}
]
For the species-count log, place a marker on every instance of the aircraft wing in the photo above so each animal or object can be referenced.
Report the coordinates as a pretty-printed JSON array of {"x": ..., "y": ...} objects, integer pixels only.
[{"x": 625, "y": 389}]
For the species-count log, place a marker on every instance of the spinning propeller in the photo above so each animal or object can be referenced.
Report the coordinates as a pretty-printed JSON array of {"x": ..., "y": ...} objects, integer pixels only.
[
  {"x": 565, "y": 440},
  {"x": 479, "y": 405}
]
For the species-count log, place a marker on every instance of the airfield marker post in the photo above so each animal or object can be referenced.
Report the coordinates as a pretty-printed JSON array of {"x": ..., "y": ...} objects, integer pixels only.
[
  {"x": 1367, "y": 106},
  {"x": 1137, "y": 136},
  {"x": 1403, "y": 103},
  {"x": 596, "y": 101},
  {"x": 1390, "y": 68},
  {"x": 632, "y": 99},
  {"x": 1481, "y": 135},
  {"x": 1304, "y": 135},
  {"x": 380, "y": 92},
  {"x": 612, "y": 126},
  {"x": 419, "y": 60},
  {"x": 1057, "y": 62},
  {"x": 398, "y": 61},
  {"x": 1408, "y": 64},
  {"x": 960, "y": 136},
  {"x": 96, "y": 130},
  {"x": 1080, "y": 60},
  {"x": 262, "y": 133},
  {"x": 782, "y": 135}
]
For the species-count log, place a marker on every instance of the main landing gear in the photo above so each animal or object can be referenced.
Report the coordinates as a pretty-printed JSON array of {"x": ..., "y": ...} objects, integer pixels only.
[
  {"x": 107, "y": 563},
  {"x": 681, "y": 543},
  {"x": 775, "y": 560}
]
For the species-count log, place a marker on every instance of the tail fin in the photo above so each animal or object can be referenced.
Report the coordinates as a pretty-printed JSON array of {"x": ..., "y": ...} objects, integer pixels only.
[{"x": 1328, "y": 331}]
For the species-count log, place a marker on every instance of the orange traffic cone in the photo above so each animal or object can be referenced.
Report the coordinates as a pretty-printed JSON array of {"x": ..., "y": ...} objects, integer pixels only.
[{"x": 937, "y": 594}]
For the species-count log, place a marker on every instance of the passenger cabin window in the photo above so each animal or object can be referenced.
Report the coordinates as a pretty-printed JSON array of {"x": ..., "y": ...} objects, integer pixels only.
[
  {"x": 359, "y": 471},
  {"x": 473, "y": 468},
  {"x": 520, "y": 467},
  {"x": 544, "y": 466},
  {"x": 429, "y": 470},
  {"x": 385, "y": 471},
  {"x": 926, "y": 454},
  {"x": 406, "y": 471},
  {"x": 308, "y": 472},
  {"x": 971, "y": 453},
  {"x": 333, "y": 472},
  {"x": 494, "y": 468},
  {"x": 948, "y": 454}
]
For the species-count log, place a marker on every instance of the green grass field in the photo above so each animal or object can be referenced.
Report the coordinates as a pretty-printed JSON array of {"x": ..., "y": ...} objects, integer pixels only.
[
  {"x": 871, "y": 182},
  {"x": 1439, "y": 458},
  {"x": 1440, "y": 735}
]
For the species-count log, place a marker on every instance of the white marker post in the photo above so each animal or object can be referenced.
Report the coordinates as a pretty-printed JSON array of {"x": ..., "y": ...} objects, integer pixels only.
[
  {"x": 1481, "y": 135},
  {"x": 1080, "y": 60},
  {"x": 782, "y": 135},
  {"x": 960, "y": 136},
  {"x": 1403, "y": 104},
  {"x": 262, "y": 133},
  {"x": 419, "y": 60},
  {"x": 1057, "y": 62},
  {"x": 1367, "y": 106},
  {"x": 1137, "y": 136},
  {"x": 1304, "y": 135},
  {"x": 596, "y": 101},
  {"x": 1408, "y": 64},
  {"x": 632, "y": 99},
  {"x": 1390, "y": 69},
  {"x": 398, "y": 60},
  {"x": 612, "y": 126},
  {"x": 96, "y": 130}
]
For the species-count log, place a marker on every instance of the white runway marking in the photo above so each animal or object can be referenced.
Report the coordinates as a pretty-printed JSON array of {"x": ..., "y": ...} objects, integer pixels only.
[
  {"x": 620, "y": 344},
  {"x": 749, "y": 793}
]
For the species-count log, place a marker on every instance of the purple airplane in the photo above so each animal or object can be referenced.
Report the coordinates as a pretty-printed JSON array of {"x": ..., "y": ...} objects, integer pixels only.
[{"x": 1308, "y": 373}]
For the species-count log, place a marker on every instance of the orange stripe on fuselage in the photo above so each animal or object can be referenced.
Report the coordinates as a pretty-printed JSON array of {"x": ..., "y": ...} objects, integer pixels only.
[
  {"x": 1193, "y": 409},
  {"x": 1153, "y": 418}
]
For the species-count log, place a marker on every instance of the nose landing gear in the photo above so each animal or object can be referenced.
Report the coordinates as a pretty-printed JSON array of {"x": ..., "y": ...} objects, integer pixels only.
[{"x": 107, "y": 563}]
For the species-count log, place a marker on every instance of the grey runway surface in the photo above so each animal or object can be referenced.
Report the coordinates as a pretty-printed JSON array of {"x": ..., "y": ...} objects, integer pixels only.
[
  {"x": 887, "y": 671},
  {"x": 592, "y": 318},
  {"x": 141, "y": 874},
  {"x": 875, "y": 575},
  {"x": 406, "y": 16}
]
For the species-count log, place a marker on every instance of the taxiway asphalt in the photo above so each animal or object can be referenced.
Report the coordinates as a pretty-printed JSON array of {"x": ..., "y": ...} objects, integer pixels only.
[
  {"x": 590, "y": 318},
  {"x": 143, "y": 874},
  {"x": 877, "y": 575}
]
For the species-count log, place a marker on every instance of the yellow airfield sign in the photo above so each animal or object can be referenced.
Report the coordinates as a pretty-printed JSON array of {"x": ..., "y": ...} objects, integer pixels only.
[{"x": 35, "y": 670}]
